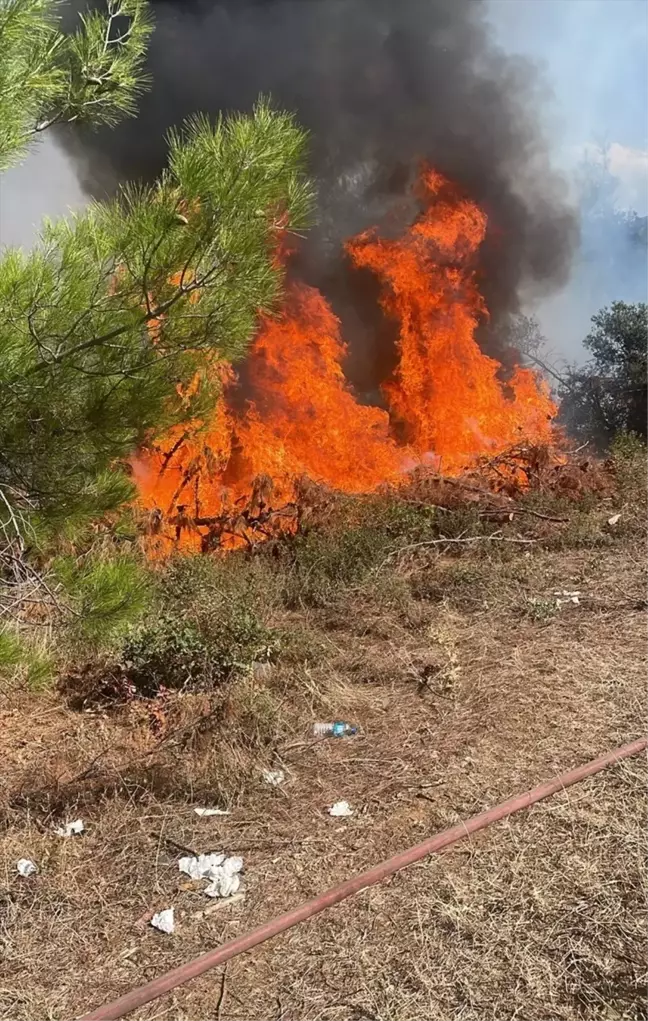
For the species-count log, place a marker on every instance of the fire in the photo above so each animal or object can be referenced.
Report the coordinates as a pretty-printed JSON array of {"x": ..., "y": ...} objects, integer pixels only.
[
  {"x": 446, "y": 395},
  {"x": 234, "y": 479}
]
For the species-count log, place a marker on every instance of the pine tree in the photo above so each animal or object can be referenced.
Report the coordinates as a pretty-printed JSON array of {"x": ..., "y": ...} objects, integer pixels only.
[{"x": 119, "y": 306}]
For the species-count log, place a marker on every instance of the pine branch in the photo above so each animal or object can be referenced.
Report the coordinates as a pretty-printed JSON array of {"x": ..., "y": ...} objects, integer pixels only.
[{"x": 95, "y": 75}]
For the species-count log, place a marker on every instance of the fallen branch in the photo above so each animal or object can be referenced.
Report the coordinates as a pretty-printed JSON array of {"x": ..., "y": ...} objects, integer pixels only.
[
  {"x": 487, "y": 495},
  {"x": 523, "y": 510},
  {"x": 494, "y": 537}
]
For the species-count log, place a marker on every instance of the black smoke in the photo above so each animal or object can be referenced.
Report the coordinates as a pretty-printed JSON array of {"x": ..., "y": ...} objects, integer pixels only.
[{"x": 381, "y": 85}]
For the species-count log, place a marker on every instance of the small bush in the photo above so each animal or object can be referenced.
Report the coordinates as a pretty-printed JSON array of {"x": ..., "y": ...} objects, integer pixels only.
[
  {"x": 629, "y": 457},
  {"x": 325, "y": 561},
  {"x": 198, "y": 652},
  {"x": 166, "y": 653},
  {"x": 236, "y": 637},
  {"x": 191, "y": 583},
  {"x": 322, "y": 563}
]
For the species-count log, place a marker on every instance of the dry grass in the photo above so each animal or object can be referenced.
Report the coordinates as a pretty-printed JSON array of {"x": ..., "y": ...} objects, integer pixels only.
[{"x": 469, "y": 685}]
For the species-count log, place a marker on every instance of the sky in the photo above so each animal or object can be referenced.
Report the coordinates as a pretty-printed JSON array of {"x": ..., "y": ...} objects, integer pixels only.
[
  {"x": 44, "y": 185},
  {"x": 594, "y": 57}
]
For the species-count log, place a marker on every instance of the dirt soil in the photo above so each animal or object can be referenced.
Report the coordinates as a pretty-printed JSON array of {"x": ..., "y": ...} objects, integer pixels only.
[{"x": 473, "y": 688}]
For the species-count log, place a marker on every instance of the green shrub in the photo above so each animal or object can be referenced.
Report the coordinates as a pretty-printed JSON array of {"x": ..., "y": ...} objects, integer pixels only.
[
  {"x": 236, "y": 637},
  {"x": 630, "y": 460},
  {"x": 20, "y": 660},
  {"x": 106, "y": 594},
  {"x": 166, "y": 652},
  {"x": 323, "y": 562},
  {"x": 198, "y": 651}
]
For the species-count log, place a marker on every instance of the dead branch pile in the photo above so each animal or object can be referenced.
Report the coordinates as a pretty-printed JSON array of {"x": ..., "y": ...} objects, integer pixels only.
[
  {"x": 500, "y": 483},
  {"x": 249, "y": 520},
  {"x": 496, "y": 487}
]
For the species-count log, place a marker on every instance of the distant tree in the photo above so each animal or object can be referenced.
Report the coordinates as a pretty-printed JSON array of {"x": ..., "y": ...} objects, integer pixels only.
[
  {"x": 608, "y": 395},
  {"x": 613, "y": 258},
  {"x": 524, "y": 334}
]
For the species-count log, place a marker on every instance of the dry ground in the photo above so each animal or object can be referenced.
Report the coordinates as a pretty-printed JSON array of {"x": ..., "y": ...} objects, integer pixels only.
[{"x": 469, "y": 685}]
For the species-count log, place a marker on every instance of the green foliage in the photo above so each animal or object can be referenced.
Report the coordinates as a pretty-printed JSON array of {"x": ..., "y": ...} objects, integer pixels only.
[
  {"x": 199, "y": 649},
  {"x": 237, "y": 637},
  {"x": 609, "y": 395},
  {"x": 104, "y": 594},
  {"x": 83, "y": 380},
  {"x": 205, "y": 625},
  {"x": 167, "y": 652},
  {"x": 119, "y": 307},
  {"x": 104, "y": 63},
  {"x": 630, "y": 459},
  {"x": 618, "y": 340},
  {"x": 324, "y": 562},
  {"x": 628, "y": 452},
  {"x": 19, "y": 658},
  {"x": 93, "y": 75}
]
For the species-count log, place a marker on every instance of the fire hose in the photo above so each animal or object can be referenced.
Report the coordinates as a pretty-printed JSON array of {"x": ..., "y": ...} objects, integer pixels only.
[{"x": 178, "y": 976}]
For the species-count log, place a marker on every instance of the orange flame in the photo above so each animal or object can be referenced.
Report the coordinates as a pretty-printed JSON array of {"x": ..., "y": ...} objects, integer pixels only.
[
  {"x": 446, "y": 393},
  {"x": 218, "y": 483}
]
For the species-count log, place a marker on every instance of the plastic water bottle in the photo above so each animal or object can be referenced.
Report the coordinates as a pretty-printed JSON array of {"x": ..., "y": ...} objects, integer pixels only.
[{"x": 337, "y": 729}]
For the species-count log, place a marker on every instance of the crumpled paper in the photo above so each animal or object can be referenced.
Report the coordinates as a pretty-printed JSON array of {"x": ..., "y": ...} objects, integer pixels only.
[
  {"x": 274, "y": 777},
  {"x": 222, "y": 872},
  {"x": 164, "y": 921},
  {"x": 342, "y": 809},
  {"x": 70, "y": 829},
  {"x": 26, "y": 867}
]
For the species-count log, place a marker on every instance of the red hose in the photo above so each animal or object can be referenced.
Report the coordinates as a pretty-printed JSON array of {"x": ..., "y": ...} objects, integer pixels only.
[{"x": 178, "y": 976}]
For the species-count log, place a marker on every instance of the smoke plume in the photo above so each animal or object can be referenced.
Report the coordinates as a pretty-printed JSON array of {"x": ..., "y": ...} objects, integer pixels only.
[{"x": 382, "y": 85}]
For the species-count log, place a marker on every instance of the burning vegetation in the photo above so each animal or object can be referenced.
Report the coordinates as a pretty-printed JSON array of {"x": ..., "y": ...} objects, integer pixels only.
[{"x": 250, "y": 472}]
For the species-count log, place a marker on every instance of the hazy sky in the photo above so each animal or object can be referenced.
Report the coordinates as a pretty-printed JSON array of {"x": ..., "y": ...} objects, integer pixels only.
[
  {"x": 594, "y": 56},
  {"x": 44, "y": 185}
]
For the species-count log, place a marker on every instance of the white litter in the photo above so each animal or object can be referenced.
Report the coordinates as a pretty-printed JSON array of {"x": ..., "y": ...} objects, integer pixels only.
[
  {"x": 164, "y": 921},
  {"x": 71, "y": 828},
  {"x": 341, "y": 808},
  {"x": 221, "y": 871},
  {"x": 567, "y": 597},
  {"x": 275, "y": 777},
  {"x": 614, "y": 519},
  {"x": 225, "y": 879},
  {"x": 200, "y": 867},
  {"x": 26, "y": 867},
  {"x": 205, "y": 812}
]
